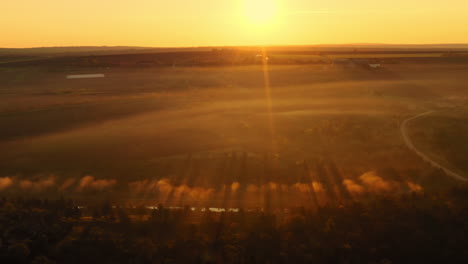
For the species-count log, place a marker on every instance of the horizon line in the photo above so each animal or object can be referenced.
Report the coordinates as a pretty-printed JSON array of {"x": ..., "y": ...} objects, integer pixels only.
[{"x": 234, "y": 46}]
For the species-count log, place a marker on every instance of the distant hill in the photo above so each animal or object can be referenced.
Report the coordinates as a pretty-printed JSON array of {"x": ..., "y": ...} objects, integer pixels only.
[
  {"x": 111, "y": 50},
  {"x": 400, "y": 46},
  {"x": 87, "y": 50},
  {"x": 372, "y": 47}
]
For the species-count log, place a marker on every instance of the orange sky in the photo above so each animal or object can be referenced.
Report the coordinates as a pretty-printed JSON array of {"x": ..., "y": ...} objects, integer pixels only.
[{"x": 33, "y": 23}]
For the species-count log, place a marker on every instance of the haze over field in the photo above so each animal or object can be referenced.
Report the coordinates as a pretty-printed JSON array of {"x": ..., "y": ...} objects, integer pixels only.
[
  {"x": 186, "y": 135},
  {"x": 233, "y": 132}
]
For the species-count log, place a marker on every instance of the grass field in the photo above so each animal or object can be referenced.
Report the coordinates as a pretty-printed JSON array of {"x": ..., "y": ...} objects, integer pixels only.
[
  {"x": 208, "y": 135},
  {"x": 444, "y": 136},
  {"x": 353, "y": 56}
]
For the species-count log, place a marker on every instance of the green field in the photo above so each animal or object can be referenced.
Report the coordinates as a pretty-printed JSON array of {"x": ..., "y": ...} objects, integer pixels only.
[
  {"x": 444, "y": 136},
  {"x": 208, "y": 135}
]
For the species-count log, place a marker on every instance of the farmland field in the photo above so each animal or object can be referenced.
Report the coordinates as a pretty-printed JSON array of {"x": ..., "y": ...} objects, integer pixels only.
[
  {"x": 364, "y": 56},
  {"x": 224, "y": 135},
  {"x": 443, "y": 135}
]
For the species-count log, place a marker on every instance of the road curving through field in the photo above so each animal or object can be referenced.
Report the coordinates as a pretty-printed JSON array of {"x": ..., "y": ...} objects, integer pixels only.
[{"x": 426, "y": 158}]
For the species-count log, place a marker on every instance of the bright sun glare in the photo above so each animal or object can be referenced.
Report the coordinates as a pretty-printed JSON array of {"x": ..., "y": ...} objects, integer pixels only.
[{"x": 261, "y": 11}]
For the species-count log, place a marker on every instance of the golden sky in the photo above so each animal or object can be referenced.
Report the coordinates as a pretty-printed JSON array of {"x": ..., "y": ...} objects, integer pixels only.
[{"x": 163, "y": 23}]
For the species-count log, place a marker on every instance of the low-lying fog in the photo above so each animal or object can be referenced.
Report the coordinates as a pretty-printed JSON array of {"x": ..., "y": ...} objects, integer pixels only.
[{"x": 209, "y": 135}]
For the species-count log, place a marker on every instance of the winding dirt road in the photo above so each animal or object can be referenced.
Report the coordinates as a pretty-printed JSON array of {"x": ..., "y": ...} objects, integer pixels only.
[{"x": 409, "y": 143}]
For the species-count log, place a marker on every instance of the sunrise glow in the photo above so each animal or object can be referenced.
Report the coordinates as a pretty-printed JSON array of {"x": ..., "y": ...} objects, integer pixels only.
[
  {"x": 183, "y": 23},
  {"x": 261, "y": 11}
]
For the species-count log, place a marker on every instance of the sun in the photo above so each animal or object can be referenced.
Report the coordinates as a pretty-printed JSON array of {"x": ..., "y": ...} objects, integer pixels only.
[{"x": 261, "y": 11}]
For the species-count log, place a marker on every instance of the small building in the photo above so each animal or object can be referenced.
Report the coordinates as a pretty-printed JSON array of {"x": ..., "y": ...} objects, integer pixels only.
[
  {"x": 85, "y": 76},
  {"x": 261, "y": 57}
]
